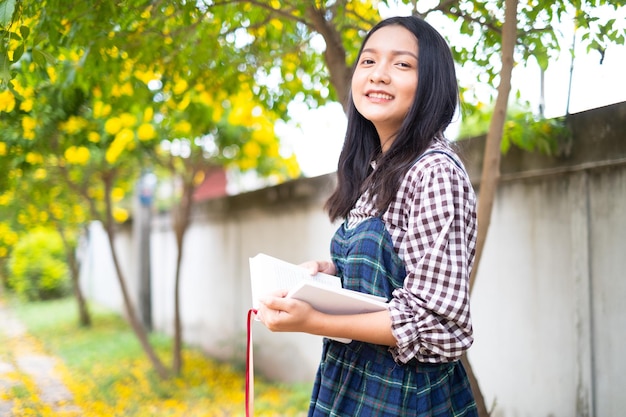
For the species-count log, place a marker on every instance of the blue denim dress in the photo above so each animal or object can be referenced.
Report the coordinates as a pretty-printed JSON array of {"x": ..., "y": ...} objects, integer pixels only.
[{"x": 362, "y": 379}]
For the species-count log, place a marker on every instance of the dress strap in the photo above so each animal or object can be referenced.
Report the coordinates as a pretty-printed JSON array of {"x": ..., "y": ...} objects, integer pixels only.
[{"x": 431, "y": 151}]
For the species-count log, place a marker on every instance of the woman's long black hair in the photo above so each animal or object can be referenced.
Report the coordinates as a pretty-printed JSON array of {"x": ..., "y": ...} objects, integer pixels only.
[{"x": 434, "y": 105}]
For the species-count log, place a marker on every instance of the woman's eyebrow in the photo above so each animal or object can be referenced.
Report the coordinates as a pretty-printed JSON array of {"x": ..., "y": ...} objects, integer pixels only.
[{"x": 394, "y": 52}]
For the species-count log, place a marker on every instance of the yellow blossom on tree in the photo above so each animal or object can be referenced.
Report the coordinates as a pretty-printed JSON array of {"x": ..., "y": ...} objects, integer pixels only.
[
  {"x": 148, "y": 114},
  {"x": 79, "y": 214},
  {"x": 199, "y": 177},
  {"x": 128, "y": 120},
  {"x": 27, "y": 104},
  {"x": 40, "y": 174},
  {"x": 34, "y": 158},
  {"x": 7, "y": 101},
  {"x": 101, "y": 110},
  {"x": 77, "y": 155},
  {"x": 122, "y": 139},
  {"x": 6, "y": 198},
  {"x": 29, "y": 124},
  {"x": 113, "y": 125},
  {"x": 73, "y": 125},
  {"x": 52, "y": 74},
  {"x": 57, "y": 211},
  {"x": 180, "y": 87},
  {"x": 184, "y": 103},
  {"x": 117, "y": 194},
  {"x": 120, "y": 215},
  {"x": 246, "y": 164},
  {"x": 251, "y": 149},
  {"x": 3, "y": 148},
  {"x": 146, "y": 132},
  {"x": 293, "y": 168},
  {"x": 95, "y": 193},
  {"x": 93, "y": 137},
  {"x": 182, "y": 128}
]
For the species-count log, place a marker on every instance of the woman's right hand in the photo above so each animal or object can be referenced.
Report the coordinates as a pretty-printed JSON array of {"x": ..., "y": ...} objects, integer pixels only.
[{"x": 325, "y": 267}]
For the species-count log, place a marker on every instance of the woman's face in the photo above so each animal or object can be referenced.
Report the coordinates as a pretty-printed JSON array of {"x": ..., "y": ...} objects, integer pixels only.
[{"x": 385, "y": 80}]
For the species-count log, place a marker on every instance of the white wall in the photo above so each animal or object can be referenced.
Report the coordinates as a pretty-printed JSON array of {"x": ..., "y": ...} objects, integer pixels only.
[{"x": 548, "y": 306}]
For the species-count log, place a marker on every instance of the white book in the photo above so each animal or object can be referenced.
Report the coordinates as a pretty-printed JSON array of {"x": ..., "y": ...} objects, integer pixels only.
[{"x": 322, "y": 291}]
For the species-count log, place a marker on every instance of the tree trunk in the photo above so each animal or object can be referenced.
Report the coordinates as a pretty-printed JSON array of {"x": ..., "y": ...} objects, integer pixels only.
[
  {"x": 84, "y": 318},
  {"x": 339, "y": 71},
  {"x": 133, "y": 320},
  {"x": 491, "y": 164},
  {"x": 181, "y": 223}
]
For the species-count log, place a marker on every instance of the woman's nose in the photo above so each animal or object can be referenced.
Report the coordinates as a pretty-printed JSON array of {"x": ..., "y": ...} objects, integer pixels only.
[{"x": 379, "y": 74}]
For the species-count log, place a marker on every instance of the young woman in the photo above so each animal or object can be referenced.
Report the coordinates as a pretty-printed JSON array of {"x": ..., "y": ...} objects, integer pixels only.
[{"x": 408, "y": 234}]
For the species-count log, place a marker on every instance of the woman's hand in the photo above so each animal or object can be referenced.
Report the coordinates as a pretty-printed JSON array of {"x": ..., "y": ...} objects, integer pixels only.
[
  {"x": 280, "y": 314},
  {"x": 324, "y": 267}
]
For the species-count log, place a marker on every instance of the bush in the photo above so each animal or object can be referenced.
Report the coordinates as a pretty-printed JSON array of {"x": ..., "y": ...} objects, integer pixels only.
[{"x": 37, "y": 267}]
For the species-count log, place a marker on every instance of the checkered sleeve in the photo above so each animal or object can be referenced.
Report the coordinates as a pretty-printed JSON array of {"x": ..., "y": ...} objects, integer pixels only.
[{"x": 430, "y": 314}]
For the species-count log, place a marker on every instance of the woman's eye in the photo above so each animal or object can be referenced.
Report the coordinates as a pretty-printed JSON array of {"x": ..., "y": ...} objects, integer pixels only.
[{"x": 367, "y": 61}]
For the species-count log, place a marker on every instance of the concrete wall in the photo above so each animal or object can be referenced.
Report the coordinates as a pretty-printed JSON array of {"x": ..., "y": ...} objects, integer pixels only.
[{"x": 548, "y": 305}]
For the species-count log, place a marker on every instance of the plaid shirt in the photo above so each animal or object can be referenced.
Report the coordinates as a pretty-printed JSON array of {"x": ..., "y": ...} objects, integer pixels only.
[{"x": 432, "y": 223}]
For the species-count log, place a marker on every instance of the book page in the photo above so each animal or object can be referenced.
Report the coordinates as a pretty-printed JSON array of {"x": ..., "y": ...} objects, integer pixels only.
[{"x": 269, "y": 274}]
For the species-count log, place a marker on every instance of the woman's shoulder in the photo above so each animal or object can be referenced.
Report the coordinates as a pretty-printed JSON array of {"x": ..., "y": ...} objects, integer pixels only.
[{"x": 440, "y": 155}]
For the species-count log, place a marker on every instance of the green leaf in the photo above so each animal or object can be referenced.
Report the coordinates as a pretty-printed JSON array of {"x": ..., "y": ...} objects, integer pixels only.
[
  {"x": 7, "y": 7},
  {"x": 5, "y": 66},
  {"x": 25, "y": 31},
  {"x": 42, "y": 58},
  {"x": 18, "y": 52}
]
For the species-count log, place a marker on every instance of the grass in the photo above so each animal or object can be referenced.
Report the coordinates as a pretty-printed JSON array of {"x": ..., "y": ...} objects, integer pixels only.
[{"x": 109, "y": 375}]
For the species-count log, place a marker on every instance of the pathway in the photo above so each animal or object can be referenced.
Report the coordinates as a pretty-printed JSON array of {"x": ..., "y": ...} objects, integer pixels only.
[{"x": 22, "y": 364}]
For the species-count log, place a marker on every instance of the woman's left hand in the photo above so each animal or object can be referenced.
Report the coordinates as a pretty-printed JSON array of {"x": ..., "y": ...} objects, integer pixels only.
[{"x": 280, "y": 314}]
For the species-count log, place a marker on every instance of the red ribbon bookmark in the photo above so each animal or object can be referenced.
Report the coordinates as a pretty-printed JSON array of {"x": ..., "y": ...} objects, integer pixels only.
[{"x": 250, "y": 367}]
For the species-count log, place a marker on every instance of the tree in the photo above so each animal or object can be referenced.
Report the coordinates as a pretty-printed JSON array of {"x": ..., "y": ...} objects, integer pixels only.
[
  {"x": 267, "y": 47},
  {"x": 107, "y": 105}
]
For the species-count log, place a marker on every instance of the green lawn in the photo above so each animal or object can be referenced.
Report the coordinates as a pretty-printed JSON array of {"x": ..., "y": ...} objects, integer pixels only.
[{"x": 110, "y": 375}]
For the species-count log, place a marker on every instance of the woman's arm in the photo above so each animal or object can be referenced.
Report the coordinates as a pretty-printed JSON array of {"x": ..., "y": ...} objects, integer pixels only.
[{"x": 280, "y": 314}]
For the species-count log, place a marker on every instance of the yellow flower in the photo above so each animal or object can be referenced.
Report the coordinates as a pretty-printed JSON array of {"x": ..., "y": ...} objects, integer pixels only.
[
  {"x": 146, "y": 132},
  {"x": 6, "y": 198},
  {"x": 11, "y": 238},
  {"x": 120, "y": 215},
  {"x": 113, "y": 125},
  {"x": 52, "y": 74},
  {"x": 34, "y": 158},
  {"x": 123, "y": 138},
  {"x": 3, "y": 148},
  {"x": 148, "y": 114},
  {"x": 29, "y": 124},
  {"x": 180, "y": 87},
  {"x": 184, "y": 103},
  {"x": 128, "y": 120},
  {"x": 251, "y": 149},
  {"x": 93, "y": 137},
  {"x": 40, "y": 174},
  {"x": 199, "y": 177},
  {"x": 77, "y": 155},
  {"x": 117, "y": 194},
  {"x": 101, "y": 110},
  {"x": 73, "y": 125},
  {"x": 27, "y": 105},
  {"x": 125, "y": 89},
  {"x": 79, "y": 214},
  {"x": 183, "y": 127},
  {"x": 246, "y": 164},
  {"x": 7, "y": 101}
]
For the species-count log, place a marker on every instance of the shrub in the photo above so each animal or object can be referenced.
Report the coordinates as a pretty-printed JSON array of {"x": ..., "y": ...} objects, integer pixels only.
[{"x": 37, "y": 267}]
